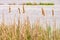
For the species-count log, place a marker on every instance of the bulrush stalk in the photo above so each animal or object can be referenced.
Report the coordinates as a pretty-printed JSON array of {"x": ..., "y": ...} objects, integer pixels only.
[
  {"x": 54, "y": 25},
  {"x": 18, "y": 27},
  {"x": 9, "y": 9},
  {"x": 47, "y": 27},
  {"x": 52, "y": 12},
  {"x": 18, "y": 10},
  {"x": 3, "y": 27},
  {"x": 43, "y": 12},
  {"x": 14, "y": 29},
  {"x": 54, "y": 18},
  {"x": 23, "y": 8},
  {"x": 18, "y": 17}
]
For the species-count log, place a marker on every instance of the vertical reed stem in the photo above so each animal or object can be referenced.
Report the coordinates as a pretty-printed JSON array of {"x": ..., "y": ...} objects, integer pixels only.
[
  {"x": 23, "y": 9},
  {"x": 18, "y": 28},
  {"x": 9, "y": 9}
]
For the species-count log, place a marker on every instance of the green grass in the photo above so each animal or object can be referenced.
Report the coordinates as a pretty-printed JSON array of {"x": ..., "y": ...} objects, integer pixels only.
[
  {"x": 46, "y": 3},
  {"x": 29, "y": 3}
]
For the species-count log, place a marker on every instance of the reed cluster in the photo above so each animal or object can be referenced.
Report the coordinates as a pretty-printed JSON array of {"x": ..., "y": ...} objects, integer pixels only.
[{"x": 27, "y": 32}]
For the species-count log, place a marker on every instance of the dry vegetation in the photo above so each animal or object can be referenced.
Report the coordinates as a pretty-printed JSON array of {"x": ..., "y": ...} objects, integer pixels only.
[{"x": 25, "y": 32}]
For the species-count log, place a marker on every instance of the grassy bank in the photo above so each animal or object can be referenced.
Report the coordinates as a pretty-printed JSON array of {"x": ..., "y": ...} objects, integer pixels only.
[{"x": 41, "y": 3}]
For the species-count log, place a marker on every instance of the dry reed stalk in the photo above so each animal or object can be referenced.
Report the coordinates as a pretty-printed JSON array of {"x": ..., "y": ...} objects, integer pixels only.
[
  {"x": 19, "y": 10},
  {"x": 18, "y": 28},
  {"x": 18, "y": 17},
  {"x": 49, "y": 32},
  {"x": 58, "y": 34},
  {"x": 23, "y": 9},
  {"x": 14, "y": 29},
  {"x": 40, "y": 32},
  {"x": 54, "y": 26},
  {"x": 10, "y": 20},
  {"x": 45, "y": 33},
  {"x": 4, "y": 33},
  {"x": 54, "y": 29},
  {"x": 9, "y": 9},
  {"x": 12, "y": 33},
  {"x": 23, "y": 33},
  {"x": 43, "y": 12},
  {"x": 47, "y": 29},
  {"x": 27, "y": 29},
  {"x": 36, "y": 31},
  {"x": 9, "y": 14},
  {"x": 1, "y": 33},
  {"x": 54, "y": 19},
  {"x": 52, "y": 12},
  {"x": 3, "y": 26}
]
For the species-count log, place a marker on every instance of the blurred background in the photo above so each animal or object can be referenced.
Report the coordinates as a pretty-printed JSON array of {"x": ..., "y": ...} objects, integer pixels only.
[{"x": 57, "y": 2}]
